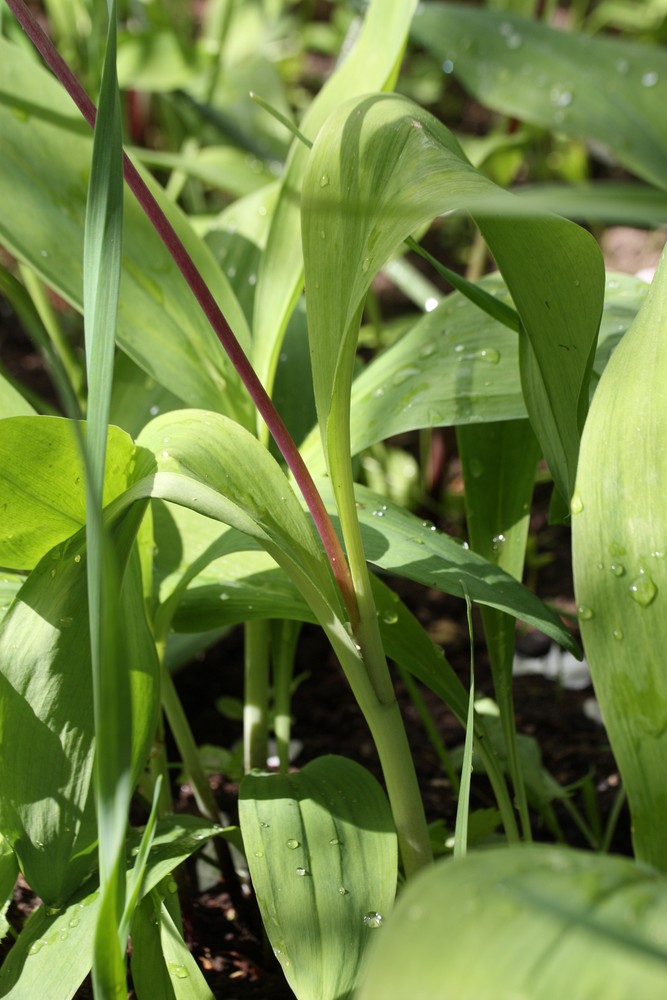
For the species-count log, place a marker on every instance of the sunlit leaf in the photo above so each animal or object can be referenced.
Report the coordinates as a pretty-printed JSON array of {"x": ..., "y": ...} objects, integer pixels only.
[
  {"x": 554, "y": 922},
  {"x": 323, "y": 860},
  {"x": 619, "y": 527},
  {"x": 43, "y": 178},
  {"x": 607, "y": 91},
  {"x": 381, "y": 167}
]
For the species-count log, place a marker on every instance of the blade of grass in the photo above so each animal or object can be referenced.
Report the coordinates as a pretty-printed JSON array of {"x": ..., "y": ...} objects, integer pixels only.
[
  {"x": 111, "y": 689},
  {"x": 463, "y": 807}
]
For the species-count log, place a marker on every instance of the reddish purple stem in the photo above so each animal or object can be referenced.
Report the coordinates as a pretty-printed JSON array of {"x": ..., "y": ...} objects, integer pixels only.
[{"x": 212, "y": 311}]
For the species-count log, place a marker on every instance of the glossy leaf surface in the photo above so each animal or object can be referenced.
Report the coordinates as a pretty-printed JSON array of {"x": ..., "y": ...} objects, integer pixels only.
[
  {"x": 619, "y": 527},
  {"x": 323, "y": 859},
  {"x": 554, "y": 922},
  {"x": 608, "y": 90},
  {"x": 380, "y": 168}
]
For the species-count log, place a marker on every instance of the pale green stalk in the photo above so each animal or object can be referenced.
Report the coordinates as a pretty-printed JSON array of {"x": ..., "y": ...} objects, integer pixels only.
[{"x": 256, "y": 694}]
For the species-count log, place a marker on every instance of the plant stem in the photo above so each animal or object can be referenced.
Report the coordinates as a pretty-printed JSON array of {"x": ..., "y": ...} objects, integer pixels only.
[
  {"x": 211, "y": 310},
  {"x": 256, "y": 695}
]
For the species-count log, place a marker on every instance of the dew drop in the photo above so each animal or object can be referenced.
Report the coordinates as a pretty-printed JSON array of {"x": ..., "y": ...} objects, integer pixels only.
[
  {"x": 334, "y": 841},
  {"x": 649, "y": 79},
  {"x": 643, "y": 589},
  {"x": 372, "y": 919},
  {"x": 154, "y": 410},
  {"x": 178, "y": 971},
  {"x": 77, "y": 558},
  {"x": 618, "y": 634},
  {"x": 73, "y": 922},
  {"x": 576, "y": 504},
  {"x": 390, "y": 617},
  {"x": 427, "y": 350},
  {"x": 342, "y": 891},
  {"x": 584, "y": 613},
  {"x": 265, "y": 826},
  {"x": 488, "y": 354},
  {"x": 560, "y": 97},
  {"x": 293, "y": 844},
  {"x": 165, "y": 454},
  {"x": 36, "y": 946},
  {"x": 324, "y": 180},
  {"x": 365, "y": 264},
  {"x": 302, "y": 871},
  {"x": 618, "y": 569},
  {"x": 259, "y": 854},
  {"x": 379, "y": 392},
  {"x": 448, "y": 66},
  {"x": 498, "y": 543}
]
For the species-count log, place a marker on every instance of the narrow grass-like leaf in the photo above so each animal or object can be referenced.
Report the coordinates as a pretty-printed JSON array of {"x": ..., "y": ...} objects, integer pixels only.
[
  {"x": 463, "y": 801},
  {"x": 322, "y": 854},
  {"x": 499, "y": 462},
  {"x": 608, "y": 90},
  {"x": 619, "y": 526}
]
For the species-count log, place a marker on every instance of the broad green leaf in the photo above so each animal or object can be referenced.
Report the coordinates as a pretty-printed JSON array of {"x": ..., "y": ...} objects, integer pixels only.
[
  {"x": 56, "y": 947},
  {"x": 43, "y": 177},
  {"x": 458, "y": 366},
  {"x": 397, "y": 542},
  {"x": 552, "y": 922},
  {"x": 46, "y": 713},
  {"x": 380, "y": 168},
  {"x": 12, "y": 403},
  {"x": 371, "y": 65},
  {"x": 43, "y": 497},
  {"x": 606, "y": 90},
  {"x": 222, "y": 167},
  {"x": 619, "y": 528},
  {"x": 212, "y": 465},
  {"x": 323, "y": 860}
]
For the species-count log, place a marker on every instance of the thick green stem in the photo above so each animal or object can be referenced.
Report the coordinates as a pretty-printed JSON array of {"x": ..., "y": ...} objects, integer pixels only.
[
  {"x": 372, "y": 685},
  {"x": 256, "y": 695}
]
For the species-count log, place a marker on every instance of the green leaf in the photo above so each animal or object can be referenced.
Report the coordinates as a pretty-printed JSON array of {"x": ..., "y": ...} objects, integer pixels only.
[
  {"x": 380, "y": 168},
  {"x": 371, "y": 65},
  {"x": 56, "y": 947},
  {"x": 323, "y": 860},
  {"x": 398, "y": 542},
  {"x": 607, "y": 90},
  {"x": 212, "y": 465},
  {"x": 43, "y": 177},
  {"x": 619, "y": 529},
  {"x": 43, "y": 497},
  {"x": 553, "y": 922},
  {"x": 457, "y": 366},
  {"x": 46, "y": 714}
]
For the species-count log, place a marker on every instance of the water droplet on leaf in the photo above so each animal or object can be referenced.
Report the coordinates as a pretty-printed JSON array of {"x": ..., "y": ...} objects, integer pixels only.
[
  {"x": 293, "y": 844},
  {"x": 643, "y": 589},
  {"x": 576, "y": 504},
  {"x": 372, "y": 919},
  {"x": 584, "y": 613}
]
